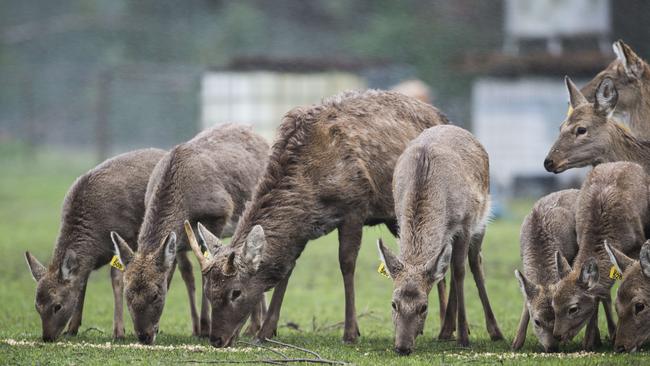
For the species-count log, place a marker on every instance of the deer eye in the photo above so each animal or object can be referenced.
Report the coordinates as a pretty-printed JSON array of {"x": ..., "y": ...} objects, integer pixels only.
[
  {"x": 538, "y": 323},
  {"x": 394, "y": 305},
  {"x": 56, "y": 308},
  {"x": 573, "y": 309},
  {"x": 423, "y": 309},
  {"x": 234, "y": 295},
  {"x": 581, "y": 131},
  {"x": 638, "y": 307}
]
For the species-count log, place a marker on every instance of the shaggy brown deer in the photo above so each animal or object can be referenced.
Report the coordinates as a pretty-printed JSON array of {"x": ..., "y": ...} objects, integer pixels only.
[
  {"x": 442, "y": 203},
  {"x": 549, "y": 228},
  {"x": 632, "y": 299},
  {"x": 612, "y": 208},
  {"x": 590, "y": 137},
  {"x": 108, "y": 197},
  {"x": 631, "y": 77},
  {"x": 208, "y": 178},
  {"x": 331, "y": 167}
]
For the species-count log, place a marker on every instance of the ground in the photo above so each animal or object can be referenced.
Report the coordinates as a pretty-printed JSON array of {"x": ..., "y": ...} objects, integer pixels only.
[{"x": 31, "y": 193}]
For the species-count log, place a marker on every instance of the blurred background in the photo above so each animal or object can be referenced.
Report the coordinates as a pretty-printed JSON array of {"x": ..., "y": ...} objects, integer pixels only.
[{"x": 95, "y": 78}]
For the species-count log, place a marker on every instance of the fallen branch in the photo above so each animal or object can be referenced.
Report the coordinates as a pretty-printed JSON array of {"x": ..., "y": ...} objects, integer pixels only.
[
  {"x": 264, "y": 347},
  {"x": 267, "y": 361},
  {"x": 294, "y": 347},
  {"x": 92, "y": 328}
]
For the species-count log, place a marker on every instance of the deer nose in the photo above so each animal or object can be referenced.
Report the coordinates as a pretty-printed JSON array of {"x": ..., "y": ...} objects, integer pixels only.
[
  {"x": 216, "y": 341},
  {"x": 145, "y": 338},
  {"x": 620, "y": 348},
  {"x": 553, "y": 348},
  {"x": 48, "y": 338},
  {"x": 548, "y": 165},
  {"x": 404, "y": 351}
]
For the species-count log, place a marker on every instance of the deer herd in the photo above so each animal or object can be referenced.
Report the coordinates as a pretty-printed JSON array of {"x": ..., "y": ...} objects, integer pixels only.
[{"x": 357, "y": 159}]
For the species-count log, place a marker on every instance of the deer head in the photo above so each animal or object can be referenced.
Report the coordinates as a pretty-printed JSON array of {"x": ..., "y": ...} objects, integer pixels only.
[
  {"x": 146, "y": 282},
  {"x": 411, "y": 287}
]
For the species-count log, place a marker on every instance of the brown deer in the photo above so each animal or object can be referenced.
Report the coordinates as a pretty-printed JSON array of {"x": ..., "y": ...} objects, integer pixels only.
[
  {"x": 590, "y": 137},
  {"x": 108, "y": 197},
  {"x": 331, "y": 167},
  {"x": 208, "y": 178},
  {"x": 442, "y": 204},
  {"x": 549, "y": 228},
  {"x": 633, "y": 299},
  {"x": 631, "y": 77},
  {"x": 612, "y": 208}
]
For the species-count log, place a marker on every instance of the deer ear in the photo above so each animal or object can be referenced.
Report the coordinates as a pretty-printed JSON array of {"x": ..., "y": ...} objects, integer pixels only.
[
  {"x": 606, "y": 97},
  {"x": 576, "y": 98},
  {"x": 644, "y": 259},
  {"x": 632, "y": 63},
  {"x": 437, "y": 267},
  {"x": 561, "y": 265},
  {"x": 252, "y": 252},
  {"x": 528, "y": 289},
  {"x": 208, "y": 240},
  {"x": 589, "y": 274},
  {"x": 618, "y": 259},
  {"x": 69, "y": 265},
  {"x": 167, "y": 251},
  {"x": 37, "y": 269},
  {"x": 122, "y": 249},
  {"x": 392, "y": 263}
]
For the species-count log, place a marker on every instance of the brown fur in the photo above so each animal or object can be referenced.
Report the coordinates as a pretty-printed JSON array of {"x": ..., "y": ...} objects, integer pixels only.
[
  {"x": 331, "y": 167},
  {"x": 207, "y": 179},
  {"x": 604, "y": 140},
  {"x": 108, "y": 197},
  {"x": 631, "y": 76},
  {"x": 612, "y": 208},
  {"x": 549, "y": 228},
  {"x": 442, "y": 203},
  {"x": 633, "y": 299}
]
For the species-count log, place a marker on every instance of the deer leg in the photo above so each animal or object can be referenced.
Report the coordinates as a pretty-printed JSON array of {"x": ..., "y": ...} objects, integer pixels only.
[
  {"x": 459, "y": 256},
  {"x": 611, "y": 324},
  {"x": 442, "y": 298},
  {"x": 592, "y": 334},
  {"x": 205, "y": 311},
  {"x": 475, "y": 265},
  {"x": 185, "y": 267},
  {"x": 270, "y": 324},
  {"x": 117, "y": 282},
  {"x": 449, "y": 324},
  {"x": 257, "y": 317},
  {"x": 349, "y": 243},
  {"x": 75, "y": 322},
  {"x": 520, "y": 337}
]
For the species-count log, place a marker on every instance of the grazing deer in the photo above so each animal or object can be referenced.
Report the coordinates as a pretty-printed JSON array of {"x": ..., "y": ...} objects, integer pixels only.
[
  {"x": 331, "y": 167},
  {"x": 442, "y": 203},
  {"x": 209, "y": 178},
  {"x": 590, "y": 137},
  {"x": 108, "y": 197},
  {"x": 549, "y": 228},
  {"x": 612, "y": 208},
  {"x": 633, "y": 299},
  {"x": 631, "y": 77}
]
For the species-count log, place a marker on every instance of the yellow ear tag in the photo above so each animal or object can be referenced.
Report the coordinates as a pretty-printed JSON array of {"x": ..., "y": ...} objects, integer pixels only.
[
  {"x": 615, "y": 274},
  {"x": 115, "y": 262},
  {"x": 382, "y": 270},
  {"x": 569, "y": 111},
  {"x": 206, "y": 254}
]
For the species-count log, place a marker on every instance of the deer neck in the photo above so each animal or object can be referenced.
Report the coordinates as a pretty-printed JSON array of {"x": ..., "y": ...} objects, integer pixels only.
[{"x": 626, "y": 147}]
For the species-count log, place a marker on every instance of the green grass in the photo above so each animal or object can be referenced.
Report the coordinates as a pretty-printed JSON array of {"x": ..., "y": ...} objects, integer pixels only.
[{"x": 31, "y": 192}]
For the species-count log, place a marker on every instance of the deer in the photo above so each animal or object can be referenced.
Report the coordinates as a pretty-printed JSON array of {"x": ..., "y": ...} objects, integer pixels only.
[
  {"x": 331, "y": 167},
  {"x": 208, "y": 178},
  {"x": 442, "y": 204},
  {"x": 612, "y": 208},
  {"x": 631, "y": 77},
  {"x": 590, "y": 137},
  {"x": 108, "y": 197},
  {"x": 632, "y": 299},
  {"x": 549, "y": 228}
]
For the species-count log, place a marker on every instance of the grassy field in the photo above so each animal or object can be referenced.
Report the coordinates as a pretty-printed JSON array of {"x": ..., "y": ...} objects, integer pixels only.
[{"x": 31, "y": 192}]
